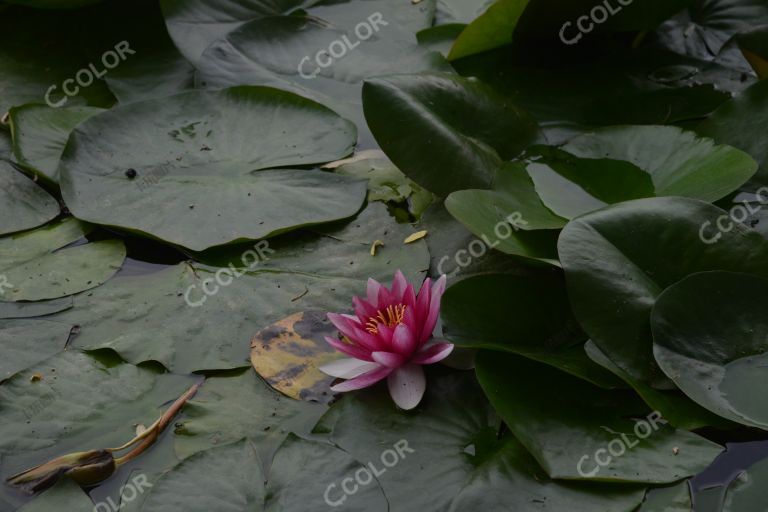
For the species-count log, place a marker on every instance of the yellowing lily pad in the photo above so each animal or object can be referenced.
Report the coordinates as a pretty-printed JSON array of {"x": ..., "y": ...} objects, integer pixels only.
[{"x": 287, "y": 354}]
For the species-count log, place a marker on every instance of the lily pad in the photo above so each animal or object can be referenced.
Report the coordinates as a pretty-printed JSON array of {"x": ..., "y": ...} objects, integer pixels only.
[
  {"x": 449, "y": 456},
  {"x": 511, "y": 217},
  {"x": 40, "y": 134},
  {"x": 746, "y": 492},
  {"x": 444, "y": 132},
  {"x": 325, "y": 55},
  {"x": 527, "y": 315},
  {"x": 17, "y": 355},
  {"x": 189, "y": 157},
  {"x": 673, "y": 405},
  {"x": 229, "y": 408},
  {"x": 614, "y": 273},
  {"x": 679, "y": 162},
  {"x": 578, "y": 431},
  {"x": 9, "y": 310},
  {"x": 287, "y": 355},
  {"x": 195, "y": 24},
  {"x": 71, "y": 402},
  {"x": 675, "y": 498},
  {"x": 490, "y": 30},
  {"x": 25, "y": 205},
  {"x": 304, "y": 471},
  {"x": 720, "y": 366},
  {"x": 66, "y": 495},
  {"x": 189, "y": 485},
  {"x": 38, "y": 265},
  {"x": 739, "y": 122}
]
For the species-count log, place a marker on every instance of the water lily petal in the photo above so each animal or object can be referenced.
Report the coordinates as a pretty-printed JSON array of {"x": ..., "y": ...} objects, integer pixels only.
[
  {"x": 350, "y": 350},
  {"x": 350, "y": 327},
  {"x": 434, "y": 308},
  {"x": 403, "y": 340},
  {"x": 389, "y": 359},
  {"x": 433, "y": 353},
  {"x": 364, "y": 380},
  {"x": 347, "y": 368},
  {"x": 406, "y": 386},
  {"x": 399, "y": 284},
  {"x": 363, "y": 309},
  {"x": 409, "y": 297},
  {"x": 373, "y": 291},
  {"x": 422, "y": 299}
]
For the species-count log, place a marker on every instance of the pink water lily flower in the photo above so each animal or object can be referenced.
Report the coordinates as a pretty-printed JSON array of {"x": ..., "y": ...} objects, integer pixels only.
[{"x": 390, "y": 336}]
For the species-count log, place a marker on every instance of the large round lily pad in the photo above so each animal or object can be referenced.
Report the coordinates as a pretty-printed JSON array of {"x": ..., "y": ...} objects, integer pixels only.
[
  {"x": 578, "y": 431},
  {"x": 619, "y": 259},
  {"x": 719, "y": 363},
  {"x": 199, "y": 169}
]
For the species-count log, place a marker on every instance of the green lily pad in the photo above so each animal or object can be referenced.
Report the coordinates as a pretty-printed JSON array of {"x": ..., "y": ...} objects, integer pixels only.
[
  {"x": 674, "y": 406},
  {"x": 577, "y": 431},
  {"x": 18, "y": 354},
  {"x": 25, "y": 205},
  {"x": 195, "y": 24},
  {"x": 304, "y": 471},
  {"x": 449, "y": 456},
  {"x": 65, "y": 495},
  {"x": 10, "y": 310},
  {"x": 325, "y": 55},
  {"x": 189, "y": 486},
  {"x": 444, "y": 132},
  {"x": 675, "y": 498},
  {"x": 572, "y": 186},
  {"x": 619, "y": 259},
  {"x": 38, "y": 265},
  {"x": 490, "y": 30},
  {"x": 511, "y": 217},
  {"x": 719, "y": 365},
  {"x": 228, "y": 408},
  {"x": 679, "y": 162},
  {"x": 476, "y": 314},
  {"x": 746, "y": 492},
  {"x": 195, "y": 184},
  {"x": 739, "y": 122},
  {"x": 71, "y": 402},
  {"x": 40, "y": 134}
]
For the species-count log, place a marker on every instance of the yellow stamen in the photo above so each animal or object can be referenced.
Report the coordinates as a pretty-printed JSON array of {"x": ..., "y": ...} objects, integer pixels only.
[{"x": 390, "y": 317}]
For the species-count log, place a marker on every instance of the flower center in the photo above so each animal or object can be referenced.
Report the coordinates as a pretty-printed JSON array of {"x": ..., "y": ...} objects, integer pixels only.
[{"x": 390, "y": 317}]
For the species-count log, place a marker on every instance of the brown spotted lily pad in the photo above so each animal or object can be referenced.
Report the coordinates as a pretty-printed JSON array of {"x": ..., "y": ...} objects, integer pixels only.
[{"x": 287, "y": 353}]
